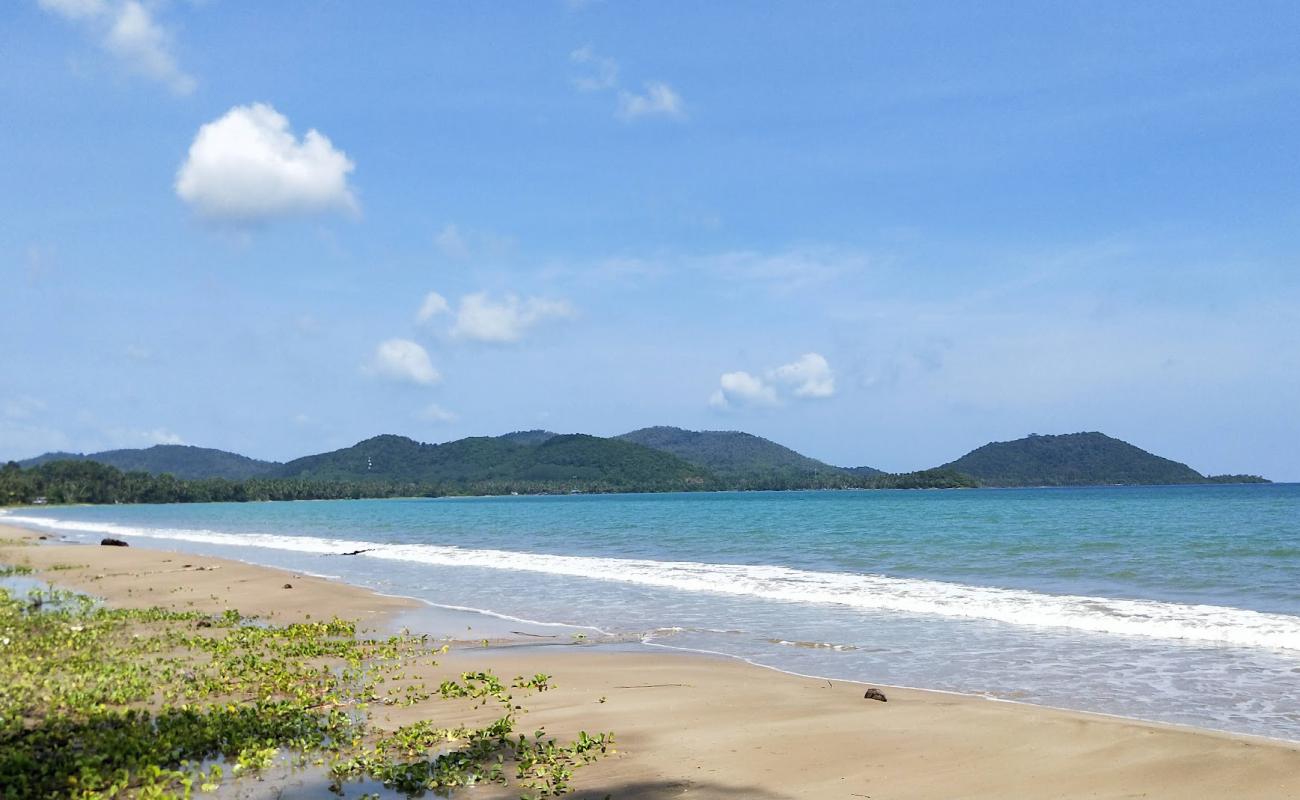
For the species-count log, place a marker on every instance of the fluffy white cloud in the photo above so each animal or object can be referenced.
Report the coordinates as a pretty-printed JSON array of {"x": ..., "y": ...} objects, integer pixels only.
[
  {"x": 436, "y": 413},
  {"x": 248, "y": 166},
  {"x": 659, "y": 99},
  {"x": 604, "y": 70},
  {"x": 434, "y": 305},
  {"x": 808, "y": 377},
  {"x": 129, "y": 31},
  {"x": 742, "y": 389},
  {"x": 481, "y": 319},
  {"x": 403, "y": 360}
]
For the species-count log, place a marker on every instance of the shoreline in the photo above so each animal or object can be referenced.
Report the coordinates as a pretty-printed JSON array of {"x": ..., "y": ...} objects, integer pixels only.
[
  {"x": 625, "y": 640},
  {"x": 709, "y": 725}
]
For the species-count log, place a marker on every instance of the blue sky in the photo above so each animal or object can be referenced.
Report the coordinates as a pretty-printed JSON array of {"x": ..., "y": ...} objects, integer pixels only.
[{"x": 879, "y": 233}]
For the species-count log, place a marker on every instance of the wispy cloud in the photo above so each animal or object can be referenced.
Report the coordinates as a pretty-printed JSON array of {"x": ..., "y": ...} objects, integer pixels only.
[
  {"x": 601, "y": 73},
  {"x": 128, "y": 31},
  {"x": 479, "y": 318},
  {"x": 658, "y": 99}
]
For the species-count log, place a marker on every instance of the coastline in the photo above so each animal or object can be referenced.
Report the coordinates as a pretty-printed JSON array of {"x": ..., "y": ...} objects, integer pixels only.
[{"x": 690, "y": 724}]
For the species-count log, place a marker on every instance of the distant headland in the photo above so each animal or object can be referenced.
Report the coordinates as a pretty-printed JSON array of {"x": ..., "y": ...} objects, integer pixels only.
[{"x": 656, "y": 459}]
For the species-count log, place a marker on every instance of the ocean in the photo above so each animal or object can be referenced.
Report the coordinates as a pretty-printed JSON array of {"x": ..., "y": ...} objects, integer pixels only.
[{"x": 1177, "y": 604}]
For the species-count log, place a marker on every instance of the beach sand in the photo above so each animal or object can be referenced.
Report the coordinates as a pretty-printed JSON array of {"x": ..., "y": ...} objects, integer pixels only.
[{"x": 698, "y": 726}]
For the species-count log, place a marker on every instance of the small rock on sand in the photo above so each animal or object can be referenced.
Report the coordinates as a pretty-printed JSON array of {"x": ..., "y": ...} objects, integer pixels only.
[
  {"x": 875, "y": 694},
  {"x": 109, "y": 541},
  {"x": 288, "y": 586}
]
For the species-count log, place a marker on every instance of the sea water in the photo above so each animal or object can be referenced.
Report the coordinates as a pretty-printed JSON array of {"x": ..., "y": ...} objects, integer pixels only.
[{"x": 1175, "y": 604}]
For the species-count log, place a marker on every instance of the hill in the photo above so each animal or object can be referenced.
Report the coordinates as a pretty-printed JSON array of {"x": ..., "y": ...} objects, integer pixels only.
[
  {"x": 743, "y": 460},
  {"x": 181, "y": 461},
  {"x": 1072, "y": 459},
  {"x": 523, "y": 462}
]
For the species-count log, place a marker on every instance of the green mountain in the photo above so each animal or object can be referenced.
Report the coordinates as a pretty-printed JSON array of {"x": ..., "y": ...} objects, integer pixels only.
[
  {"x": 1072, "y": 459},
  {"x": 743, "y": 460},
  {"x": 524, "y": 462},
  {"x": 181, "y": 461}
]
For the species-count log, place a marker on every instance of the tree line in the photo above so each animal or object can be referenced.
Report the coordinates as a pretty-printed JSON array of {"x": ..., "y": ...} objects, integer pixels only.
[{"x": 61, "y": 482}]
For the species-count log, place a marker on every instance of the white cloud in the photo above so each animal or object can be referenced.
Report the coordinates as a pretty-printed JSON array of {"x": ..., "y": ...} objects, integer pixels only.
[
  {"x": 656, "y": 99},
  {"x": 808, "y": 377},
  {"x": 436, "y": 413},
  {"x": 659, "y": 99},
  {"x": 742, "y": 389},
  {"x": 604, "y": 70},
  {"x": 450, "y": 242},
  {"x": 405, "y": 361},
  {"x": 161, "y": 436},
  {"x": 481, "y": 319},
  {"x": 248, "y": 166},
  {"x": 129, "y": 32},
  {"x": 434, "y": 305}
]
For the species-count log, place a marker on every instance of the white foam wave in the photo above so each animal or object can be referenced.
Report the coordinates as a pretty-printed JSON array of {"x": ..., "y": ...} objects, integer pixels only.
[{"x": 1148, "y": 618}]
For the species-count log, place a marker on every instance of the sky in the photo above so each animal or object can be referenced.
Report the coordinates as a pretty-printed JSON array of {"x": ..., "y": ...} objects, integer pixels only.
[{"x": 879, "y": 233}]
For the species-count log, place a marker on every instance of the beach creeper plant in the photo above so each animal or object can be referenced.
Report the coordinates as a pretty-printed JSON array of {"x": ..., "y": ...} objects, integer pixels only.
[{"x": 98, "y": 702}]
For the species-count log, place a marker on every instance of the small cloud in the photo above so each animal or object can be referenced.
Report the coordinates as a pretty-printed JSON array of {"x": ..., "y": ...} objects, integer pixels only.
[
  {"x": 742, "y": 389},
  {"x": 434, "y": 305},
  {"x": 603, "y": 74},
  {"x": 436, "y": 413},
  {"x": 659, "y": 99},
  {"x": 248, "y": 166},
  {"x": 404, "y": 361},
  {"x": 807, "y": 378},
  {"x": 128, "y": 31},
  {"x": 484, "y": 320},
  {"x": 161, "y": 436},
  {"x": 450, "y": 242},
  {"x": 810, "y": 376}
]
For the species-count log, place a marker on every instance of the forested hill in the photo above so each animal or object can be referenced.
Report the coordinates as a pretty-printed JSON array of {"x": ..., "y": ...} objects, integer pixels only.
[
  {"x": 646, "y": 460},
  {"x": 744, "y": 460},
  {"x": 518, "y": 462},
  {"x": 181, "y": 461},
  {"x": 1075, "y": 459}
]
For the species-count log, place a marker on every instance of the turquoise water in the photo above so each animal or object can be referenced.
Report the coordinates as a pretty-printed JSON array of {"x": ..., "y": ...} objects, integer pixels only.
[{"x": 1179, "y": 604}]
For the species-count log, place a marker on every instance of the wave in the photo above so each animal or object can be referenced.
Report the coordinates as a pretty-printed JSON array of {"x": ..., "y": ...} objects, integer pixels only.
[{"x": 1196, "y": 623}]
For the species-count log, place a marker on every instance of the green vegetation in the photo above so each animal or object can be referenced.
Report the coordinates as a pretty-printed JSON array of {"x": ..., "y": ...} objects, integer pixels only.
[
  {"x": 98, "y": 703},
  {"x": 1236, "y": 479},
  {"x": 661, "y": 459},
  {"x": 500, "y": 464},
  {"x": 744, "y": 461},
  {"x": 181, "y": 461},
  {"x": 1075, "y": 459}
]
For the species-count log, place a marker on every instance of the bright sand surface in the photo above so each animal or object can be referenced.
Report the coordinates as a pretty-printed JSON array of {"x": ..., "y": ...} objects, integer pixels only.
[{"x": 698, "y": 726}]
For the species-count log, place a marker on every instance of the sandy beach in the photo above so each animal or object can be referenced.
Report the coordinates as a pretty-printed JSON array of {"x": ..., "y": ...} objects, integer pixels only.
[{"x": 691, "y": 725}]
